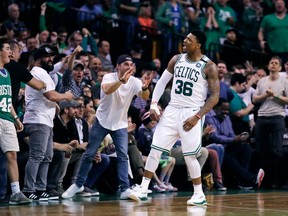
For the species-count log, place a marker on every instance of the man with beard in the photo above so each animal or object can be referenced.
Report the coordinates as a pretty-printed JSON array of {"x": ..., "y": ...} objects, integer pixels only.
[
  {"x": 38, "y": 120},
  {"x": 18, "y": 73},
  {"x": 63, "y": 145},
  {"x": 238, "y": 109}
]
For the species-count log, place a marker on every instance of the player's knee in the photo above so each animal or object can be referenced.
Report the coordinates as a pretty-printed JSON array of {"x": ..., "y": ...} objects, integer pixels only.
[
  {"x": 155, "y": 154},
  {"x": 190, "y": 158}
]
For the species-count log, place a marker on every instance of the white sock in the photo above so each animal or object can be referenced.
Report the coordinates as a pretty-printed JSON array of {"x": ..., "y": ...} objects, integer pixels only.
[
  {"x": 15, "y": 187},
  {"x": 145, "y": 183},
  {"x": 198, "y": 188}
]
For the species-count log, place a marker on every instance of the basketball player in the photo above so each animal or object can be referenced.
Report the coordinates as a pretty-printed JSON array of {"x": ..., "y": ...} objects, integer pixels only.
[{"x": 194, "y": 74}]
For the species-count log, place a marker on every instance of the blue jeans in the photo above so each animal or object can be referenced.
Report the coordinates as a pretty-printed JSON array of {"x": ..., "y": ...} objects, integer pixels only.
[
  {"x": 3, "y": 174},
  {"x": 120, "y": 139},
  {"x": 97, "y": 170},
  {"x": 220, "y": 151},
  {"x": 40, "y": 155}
]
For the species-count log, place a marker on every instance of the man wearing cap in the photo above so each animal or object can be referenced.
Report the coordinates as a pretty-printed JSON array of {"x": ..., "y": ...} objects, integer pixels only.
[
  {"x": 73, "y": 77},
  {"x": 193, "y": 75},
  {"x": 18, "y": 73},
  {"x": 73, "y": 81},
  {"x": 118, "y": 89},
  {"x": 38, "y": 120},
  {"x": 63, "y": 144}
]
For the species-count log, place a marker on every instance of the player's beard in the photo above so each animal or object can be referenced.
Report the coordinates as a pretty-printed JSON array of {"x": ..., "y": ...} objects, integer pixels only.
[{"x": 46, "y": 66}]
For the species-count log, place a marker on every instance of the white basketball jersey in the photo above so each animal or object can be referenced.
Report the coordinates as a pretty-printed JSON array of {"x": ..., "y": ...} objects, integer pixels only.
[{"x": 190, "y": 86}]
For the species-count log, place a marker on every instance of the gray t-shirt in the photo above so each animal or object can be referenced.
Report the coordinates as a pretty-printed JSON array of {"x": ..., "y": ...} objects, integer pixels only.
[{"x": 272, "y": 106}]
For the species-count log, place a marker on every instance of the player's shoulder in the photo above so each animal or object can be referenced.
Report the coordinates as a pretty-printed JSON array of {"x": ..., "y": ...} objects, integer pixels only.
[
  {"x": 210, "y": 64},
  {"x": 210, "y": 68},
  {"x": 176, "y": 58}
]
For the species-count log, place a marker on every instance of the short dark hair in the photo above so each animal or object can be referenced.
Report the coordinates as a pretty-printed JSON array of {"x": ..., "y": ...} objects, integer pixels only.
[
  {"x": 86, "y": 100},
  {"x": 237, "y": 77},
  {"x": 61, "y": 29},
  {"x": 82, "y": 53},
  {"x": 221, "y": 101},
  {"x": 221, "y": 62},
  {"x": 201, "y": 38},
  {"x": 2, "y": 42},
  {"x": 276, "y": 57},
  {"x": 238, "y": 66},
  {"x": 13, "y": 44}
]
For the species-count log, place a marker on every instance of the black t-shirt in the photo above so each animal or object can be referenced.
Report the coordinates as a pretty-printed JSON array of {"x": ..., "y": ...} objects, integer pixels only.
[
  {"x": 18, "y": 74},
  {"x": 61, "y": 132}
]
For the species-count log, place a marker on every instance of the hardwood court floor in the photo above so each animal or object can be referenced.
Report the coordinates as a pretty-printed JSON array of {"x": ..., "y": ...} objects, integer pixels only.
[{"x": 169, "y": 204}]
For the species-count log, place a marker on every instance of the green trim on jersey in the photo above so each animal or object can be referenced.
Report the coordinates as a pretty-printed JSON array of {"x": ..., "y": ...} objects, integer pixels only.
[
  {"x": 193, "y": 153},
  {"x": 160, "y": 149},
  {"x": 5, "y": 96},
  {"x": 179, "y": 57}
]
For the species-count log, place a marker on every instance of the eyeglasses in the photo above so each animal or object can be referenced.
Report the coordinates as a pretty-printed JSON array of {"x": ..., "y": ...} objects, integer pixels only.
[{"x": 81, "y": 107}]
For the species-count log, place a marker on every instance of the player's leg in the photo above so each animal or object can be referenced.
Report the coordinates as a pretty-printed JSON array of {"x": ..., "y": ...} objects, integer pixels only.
[
  {"x": 190, "y": 148},
  {"x": 164, "y": 138}
]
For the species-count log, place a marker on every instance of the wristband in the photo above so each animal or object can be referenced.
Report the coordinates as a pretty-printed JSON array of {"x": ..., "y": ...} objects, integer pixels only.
[
  {"x": 154, "y": 106},
  {"x": 16, "y": 117},
  {"x": 198, "y": 116},
  {"x": 144, "y": 89}
]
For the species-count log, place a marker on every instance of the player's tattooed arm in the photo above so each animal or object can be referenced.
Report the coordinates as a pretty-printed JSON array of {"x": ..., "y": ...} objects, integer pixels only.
[{"x": 211, "y": 72}]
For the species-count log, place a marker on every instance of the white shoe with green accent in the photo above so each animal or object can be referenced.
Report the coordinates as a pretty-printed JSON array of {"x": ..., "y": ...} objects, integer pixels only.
[
  {"x": 138, "y": 193},
  {"x": 197, "y": 199}
]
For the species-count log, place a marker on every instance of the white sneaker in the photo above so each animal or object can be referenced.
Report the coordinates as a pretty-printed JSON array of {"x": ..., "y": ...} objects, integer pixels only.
[
  {"x": 71, "y": 191},
  {"x": 197, "y": 199},
  {"x": 139, "y": 194},
  {"x": 158, "y": 189},
  {"x": 125, "y": 194}
]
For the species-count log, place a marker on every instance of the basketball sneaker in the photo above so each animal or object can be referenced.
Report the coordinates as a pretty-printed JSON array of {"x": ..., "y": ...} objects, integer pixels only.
[
  {"x": 139, "y": 194},
  {"x": 197, "y": 199}
]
